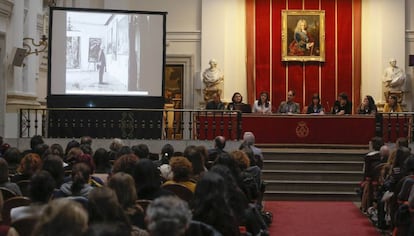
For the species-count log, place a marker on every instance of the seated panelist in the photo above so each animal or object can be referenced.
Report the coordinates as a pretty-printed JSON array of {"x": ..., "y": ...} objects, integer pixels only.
[
  {"x": 237, "y": 104},
  {"x": 315, "y": 107},
  {"x": 342, "y": 106},
  {"x": 262, "y": 105},
  {"x": 289, "y": 106},
  {"x": 216, "y": 103},
  {"x": 368, "y": 106},
  {"x": 392, "y": 105}
]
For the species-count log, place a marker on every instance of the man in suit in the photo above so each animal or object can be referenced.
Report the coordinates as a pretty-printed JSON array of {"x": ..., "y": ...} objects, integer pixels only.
[
  {"x": 215, "y": 104},
  {"x": 101, "y": 64}
]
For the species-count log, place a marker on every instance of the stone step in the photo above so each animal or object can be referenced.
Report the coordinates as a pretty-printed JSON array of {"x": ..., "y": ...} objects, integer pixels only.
[
  {"x": 312, "y": 165},
  {"x": 311, "y": 186},
  {"x": 310, "y": 196},
  {"x": 320, "y": 155},
  {"x": 312, "y": 175}
]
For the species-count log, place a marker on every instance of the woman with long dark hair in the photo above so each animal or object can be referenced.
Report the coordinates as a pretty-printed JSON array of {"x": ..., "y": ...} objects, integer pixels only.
[
  {"x": 368, "y": 106},
  {"x": 211, "y": 205},
  {"x": 262, "y": 105},
  {"x": 392, "y": 105},
  {"x": 315, "y": 107}
]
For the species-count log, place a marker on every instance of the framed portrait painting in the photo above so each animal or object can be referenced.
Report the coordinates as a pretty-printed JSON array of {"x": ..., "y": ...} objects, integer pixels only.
[{"x": 303, "y": 35}]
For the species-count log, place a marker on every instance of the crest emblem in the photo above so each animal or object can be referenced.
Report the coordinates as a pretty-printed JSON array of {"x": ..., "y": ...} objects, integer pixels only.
[{"x": 302, "y": 130}]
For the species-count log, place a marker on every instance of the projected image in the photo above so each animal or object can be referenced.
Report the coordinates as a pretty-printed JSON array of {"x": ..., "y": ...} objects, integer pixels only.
[{"x": 107, "y": 53}]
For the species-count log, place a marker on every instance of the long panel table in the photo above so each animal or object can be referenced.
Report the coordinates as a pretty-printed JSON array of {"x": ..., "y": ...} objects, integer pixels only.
[{"x": 310, "y": 129}]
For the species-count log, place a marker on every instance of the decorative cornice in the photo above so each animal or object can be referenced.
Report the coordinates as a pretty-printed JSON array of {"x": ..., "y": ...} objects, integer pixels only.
[
  {"x": 6, "y": 8},
  {"x": 183, "y": 36},
  {"x": 21, "y": 99},
  {"x": 409, "y": 35}
]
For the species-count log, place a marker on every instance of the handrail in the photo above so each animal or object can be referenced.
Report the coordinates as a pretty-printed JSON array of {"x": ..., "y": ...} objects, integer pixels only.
[{"x": 130, "y": 123}]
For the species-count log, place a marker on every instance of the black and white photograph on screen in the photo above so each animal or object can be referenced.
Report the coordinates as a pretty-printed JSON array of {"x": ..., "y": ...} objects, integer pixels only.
[
  {"x": 107, "y": 52},
  {"x": 94, "y": 64}
]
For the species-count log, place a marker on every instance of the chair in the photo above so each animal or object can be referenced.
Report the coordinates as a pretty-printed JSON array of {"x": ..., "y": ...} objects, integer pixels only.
[
  {"x": 181, "y": 191},
  {"x": 24, "y": 187},
  {"x": 7, "y": 193},
  {"x": 144, "y": 204},
  {"x": 25, "y": 226},
  {"x": 10, "y": 204}
]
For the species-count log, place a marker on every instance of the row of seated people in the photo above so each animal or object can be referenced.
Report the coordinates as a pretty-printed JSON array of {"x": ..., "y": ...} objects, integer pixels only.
[
  {"x": 387, "y": 196},
  {"x": 341, "y": 106},
  {"x": 112, "y": 192}
]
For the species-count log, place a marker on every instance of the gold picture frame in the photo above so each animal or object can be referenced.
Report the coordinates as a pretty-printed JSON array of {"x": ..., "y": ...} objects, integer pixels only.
[{"x": 303, "y": 35}]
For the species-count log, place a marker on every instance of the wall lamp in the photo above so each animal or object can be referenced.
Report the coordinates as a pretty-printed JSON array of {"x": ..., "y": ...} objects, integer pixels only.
[{"x": 35, "y": 48}]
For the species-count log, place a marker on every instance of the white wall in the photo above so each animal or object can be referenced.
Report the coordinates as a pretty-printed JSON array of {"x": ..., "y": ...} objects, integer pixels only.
[
  {"x": 383, "y": 37},
  {"x": 409, "y": 19},
  {"x": 224, "y": 39}
]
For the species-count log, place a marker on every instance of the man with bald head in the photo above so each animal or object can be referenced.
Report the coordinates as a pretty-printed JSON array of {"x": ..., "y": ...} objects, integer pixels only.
[{"x": 219, "y": 144}]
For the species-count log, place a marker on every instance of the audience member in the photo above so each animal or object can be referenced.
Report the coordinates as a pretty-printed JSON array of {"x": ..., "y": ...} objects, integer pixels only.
[
  {"x": 167, "y": 152},
  {"x": 124, "y": 150},
  {"x": 126, "y": 164},
  {"x": 392, "y": 105},
  {"x": 211, "y": 207},
  {"x": 112, "y": 211},
  {"x": 86, "y": 149},
  {"x": 124, "y": 186},
  {"x": 40, "y": 191},
  {"x": 148, "y": 180},
  {"x": 182, "y": 169},
  {"x": 6, "y": 230},
  {"x": 56, "y": 149},
  {"x": 289, "y": 106},
  {"x": 79, "y": 183},
  {"x": 114, "y": 148},
  {"x": 4, "y": 178},
  {"x": 54, "y": 165},
  {"x": 262, "y": 105},
  {"x": 13, "y": 158},
  {"x": 219, "y": 145},
  {"x": 342, "y": 106},
  {"x": 315, "y": 107},
  {"x": 36, "y": 140},
  {"x": 101, "y": 160},
  {"x": 141, "y": 151},
  {"x": 368, "y": 106},
  {"x": 30, "y": 164},
  {"x": 384, "y": 153},
  {"x": 197, "y": 161},
  {"x": 70, "y": 145},
  {"x": 249, "y": 141},
  {"x": 168, "y": 216},
  {"x": 86, "y": 140},
  {"x": 62, "y": 217}
]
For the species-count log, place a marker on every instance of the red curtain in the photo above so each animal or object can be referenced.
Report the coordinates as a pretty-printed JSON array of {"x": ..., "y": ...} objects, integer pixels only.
[{"x": 339, "y": 73}]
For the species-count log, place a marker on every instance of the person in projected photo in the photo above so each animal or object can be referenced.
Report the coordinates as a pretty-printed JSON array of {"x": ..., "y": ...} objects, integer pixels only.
[{"x": 101, "y": 64}]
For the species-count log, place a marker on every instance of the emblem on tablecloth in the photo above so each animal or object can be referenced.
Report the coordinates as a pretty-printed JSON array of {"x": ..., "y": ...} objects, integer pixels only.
[{"x": 302, "y": 130}]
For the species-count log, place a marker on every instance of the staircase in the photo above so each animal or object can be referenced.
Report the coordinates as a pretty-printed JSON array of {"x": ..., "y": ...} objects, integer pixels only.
[{"x": 313, "y": 174}]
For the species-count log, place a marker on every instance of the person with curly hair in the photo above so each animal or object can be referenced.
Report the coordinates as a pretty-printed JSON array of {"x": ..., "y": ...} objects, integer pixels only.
[
  {"x": 182, "y": 169},
  {"x": 29, "y": 165}
]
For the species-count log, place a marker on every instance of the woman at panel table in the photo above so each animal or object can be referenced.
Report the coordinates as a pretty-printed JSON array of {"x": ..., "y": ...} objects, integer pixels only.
[
  {"x": 368, "y": 106},
  {"x": 262, "y": 105},
  {"x": 392, "y": 105},
  {"x": 237, "y": 104},
  {"x": 315, "y": 107},
  {"x": 342, "y": 106}
]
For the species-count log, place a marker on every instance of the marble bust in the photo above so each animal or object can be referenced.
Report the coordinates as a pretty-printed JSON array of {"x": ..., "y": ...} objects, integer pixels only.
[
  {"x": 213, "y": 80},
  {"x": 394, "y": 77}
]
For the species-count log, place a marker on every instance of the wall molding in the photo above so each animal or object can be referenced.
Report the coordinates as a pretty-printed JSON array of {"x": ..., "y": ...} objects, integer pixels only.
[
  {"x": 184, "y": 36},
  {"x": 6, "y": 8},
  {"x": 409, "y": 35}
]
